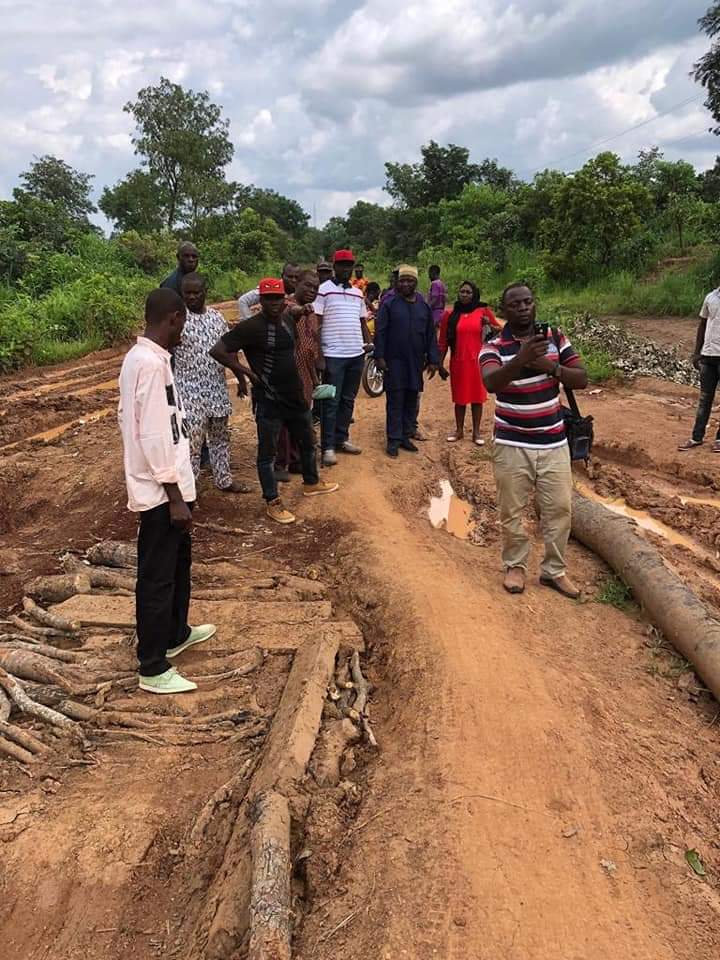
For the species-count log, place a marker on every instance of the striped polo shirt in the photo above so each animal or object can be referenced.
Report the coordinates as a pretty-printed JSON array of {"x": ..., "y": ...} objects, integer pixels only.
[
  {"x": 528, "y": 412},
  {"x": 340, "y": 309}
]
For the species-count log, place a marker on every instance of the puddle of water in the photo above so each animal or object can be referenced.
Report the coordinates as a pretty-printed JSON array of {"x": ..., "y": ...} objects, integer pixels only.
[
  {"x": 450, "y": 512},
  {"x": 645, "y": 521},
  {"x": 49, "y": 435},
  {"x": 703, "y": 501},
  {"x": 100, "y": 387}
]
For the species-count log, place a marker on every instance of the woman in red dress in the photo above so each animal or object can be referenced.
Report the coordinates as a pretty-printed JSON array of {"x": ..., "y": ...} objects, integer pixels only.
[{"x": 462, "y": 331}]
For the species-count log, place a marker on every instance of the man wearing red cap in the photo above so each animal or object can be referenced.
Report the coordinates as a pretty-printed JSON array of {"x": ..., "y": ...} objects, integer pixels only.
[
  {"x": 342, "y": 314},
  {"x": 268, "y": 342}
]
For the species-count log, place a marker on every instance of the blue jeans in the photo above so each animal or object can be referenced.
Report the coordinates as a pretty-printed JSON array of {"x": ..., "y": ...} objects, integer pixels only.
[
  {"x": 345, "y": 373},
  {"x": 300, "y": 429}
]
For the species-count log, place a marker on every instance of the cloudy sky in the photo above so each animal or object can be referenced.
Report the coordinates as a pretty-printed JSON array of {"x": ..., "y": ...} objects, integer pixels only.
[{"x": 320, "y": 93}]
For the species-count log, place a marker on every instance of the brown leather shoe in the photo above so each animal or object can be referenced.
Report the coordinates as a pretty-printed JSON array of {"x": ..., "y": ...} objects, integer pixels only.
[
  {"x": 514, "y": 581},
  {"x": 563, "y": 585}
]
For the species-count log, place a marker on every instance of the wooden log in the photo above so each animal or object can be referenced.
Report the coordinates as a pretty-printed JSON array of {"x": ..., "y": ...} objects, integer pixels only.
[
  {"x": 100, "y": 577},
  {"x": 23, "y": 738},
  {"x": 335, "y": 737},
  {"x": 55, "y": 589},
  {"x": 48, "y": 619},
  {"x": 677, "y": 612},
  {"x": 270, "y": 896},
  {"x": 5, "y": 706},
  {"x": 113, "y": 553},
  {"x": 31, "y": 630},
  {"x": 10, "y": 642},
  {"x": 29, "y": 666},
  {"x": 13, "y": 750},
  {"x": 26, "y": 705}
]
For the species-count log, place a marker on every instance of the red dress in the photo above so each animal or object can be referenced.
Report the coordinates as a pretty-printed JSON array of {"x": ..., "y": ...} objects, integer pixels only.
[{"x": 465, "y": 380}]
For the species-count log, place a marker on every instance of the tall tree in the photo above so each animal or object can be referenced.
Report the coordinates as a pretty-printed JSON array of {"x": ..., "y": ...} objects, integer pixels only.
[
  {"x": 600, "y": 211},
  {"x": 287, "y": 213},
  {"x": 137, "y": 202},
  {"x": 707, "y": 69},
  {"x": 182, "y": 139},
  {"x": 51, "y": 179},
  {"x": 441, "y": 174}
]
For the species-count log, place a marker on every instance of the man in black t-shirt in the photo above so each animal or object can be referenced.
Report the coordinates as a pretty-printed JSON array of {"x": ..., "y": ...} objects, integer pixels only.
[
  {"x": 187, "y": 262},
  {"x": 268, "y": 343}
]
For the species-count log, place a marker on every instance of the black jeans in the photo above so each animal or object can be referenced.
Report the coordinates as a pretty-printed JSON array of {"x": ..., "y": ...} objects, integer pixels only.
[
  {"x": 709, "y": 377},
  {"x": 345, "y": 373},
  {"x": 162, "y": 594},
  {"x": 401, "y": 412},
  {"x": 299, "y": 426}
]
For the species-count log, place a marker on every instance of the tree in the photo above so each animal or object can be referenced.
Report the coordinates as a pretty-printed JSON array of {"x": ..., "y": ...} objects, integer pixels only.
[
  {"x": 55, "y": 181},
  {"x": 600, "y": 213},
  {"x": 367, "y": 225},
  {"x": 182, "y": 140},
  {"x": 492, "y": 174},
  {"x": 441, "y": 175},
  {"x": 709, "y": 183},
  {"x": 47, "y": 226},
  {"x": 707, "y": 69},
  {"x": 137, "y": 202},
  {"x": 483, "y": 221},
  {"x": 287, "y": 213}
]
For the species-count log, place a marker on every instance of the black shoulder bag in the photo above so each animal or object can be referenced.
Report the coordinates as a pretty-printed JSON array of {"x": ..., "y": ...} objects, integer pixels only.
[{"x": 579, "y": 429}]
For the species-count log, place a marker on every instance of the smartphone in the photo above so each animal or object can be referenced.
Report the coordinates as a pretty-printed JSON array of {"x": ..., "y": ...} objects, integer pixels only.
[{"x": 541, "y": 329}]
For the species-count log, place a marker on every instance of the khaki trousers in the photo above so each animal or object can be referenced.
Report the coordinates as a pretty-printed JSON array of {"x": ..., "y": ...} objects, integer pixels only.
[{"x": 519, "y": 472}]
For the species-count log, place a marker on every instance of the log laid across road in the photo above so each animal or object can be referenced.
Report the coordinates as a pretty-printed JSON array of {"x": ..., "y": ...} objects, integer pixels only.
[{"x": 681, "y": 616}]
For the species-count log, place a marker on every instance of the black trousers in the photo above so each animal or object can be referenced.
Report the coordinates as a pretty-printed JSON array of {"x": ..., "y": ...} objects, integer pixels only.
[
  {"x": 709, "y": 377},
  {"x": 401, "y": 412},
  {"x": 300, "y": 430},
  {"x": 162, "y": 594}
]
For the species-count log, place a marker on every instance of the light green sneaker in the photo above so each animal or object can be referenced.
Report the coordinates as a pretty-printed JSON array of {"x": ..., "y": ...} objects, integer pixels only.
[
  {"x": 196, "y": 635},
  {"x": 168, "y": 682}
]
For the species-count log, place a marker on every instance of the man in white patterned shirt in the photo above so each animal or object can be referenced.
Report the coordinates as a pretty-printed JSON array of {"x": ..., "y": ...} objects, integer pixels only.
[{"x": 202, "y": 386}]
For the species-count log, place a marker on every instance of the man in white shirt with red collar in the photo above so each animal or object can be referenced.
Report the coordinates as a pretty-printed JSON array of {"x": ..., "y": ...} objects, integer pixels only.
[
  {"x": 342, "y": 315},
  {"x": 161, "y": 489}
]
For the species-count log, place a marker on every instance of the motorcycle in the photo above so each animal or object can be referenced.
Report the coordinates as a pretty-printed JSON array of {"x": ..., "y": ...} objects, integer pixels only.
[{"x": 372, "y": 377}]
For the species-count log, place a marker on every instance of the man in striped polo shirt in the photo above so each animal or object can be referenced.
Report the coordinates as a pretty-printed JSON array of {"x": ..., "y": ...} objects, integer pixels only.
[
  {"x": 524, "y": 369},
  {"x": 342, "y": 314}
]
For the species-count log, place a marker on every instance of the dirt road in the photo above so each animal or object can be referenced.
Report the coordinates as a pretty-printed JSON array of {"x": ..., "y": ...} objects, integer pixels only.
[
  {"x": 513, "y": 811},
  {"x": 544, "y": 766}
]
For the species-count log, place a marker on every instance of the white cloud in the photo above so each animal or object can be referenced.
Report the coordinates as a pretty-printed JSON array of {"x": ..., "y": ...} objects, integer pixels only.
[{"x": 321, "y": 94}]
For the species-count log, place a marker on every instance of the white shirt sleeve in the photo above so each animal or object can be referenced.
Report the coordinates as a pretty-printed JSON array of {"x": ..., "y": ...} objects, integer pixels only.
[
  {"x": 319, "y": 306},
  {"x": 246, "y": 302},
  {"x": 705, "y": 309}
]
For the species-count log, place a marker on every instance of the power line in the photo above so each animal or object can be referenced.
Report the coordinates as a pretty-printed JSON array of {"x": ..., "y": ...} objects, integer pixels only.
[{"x": 599, "y": 143}]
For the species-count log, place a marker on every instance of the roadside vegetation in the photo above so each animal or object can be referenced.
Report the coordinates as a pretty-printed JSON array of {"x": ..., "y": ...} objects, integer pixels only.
[{"x": 609, "y": 238}]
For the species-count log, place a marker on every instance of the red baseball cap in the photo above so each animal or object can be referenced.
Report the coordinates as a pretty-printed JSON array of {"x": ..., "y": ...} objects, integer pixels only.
[
  {"x": 271, "y": 286},
  {"x": 343, "y": 255}
]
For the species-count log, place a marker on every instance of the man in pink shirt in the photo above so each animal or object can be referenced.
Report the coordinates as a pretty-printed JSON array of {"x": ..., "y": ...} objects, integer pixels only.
[{"x": 161, "y": 489}]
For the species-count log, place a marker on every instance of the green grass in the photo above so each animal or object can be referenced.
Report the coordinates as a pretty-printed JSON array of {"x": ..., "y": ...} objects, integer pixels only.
[
  {"x": 59, "y": 351},
  {"x": 615, "y": 593}
]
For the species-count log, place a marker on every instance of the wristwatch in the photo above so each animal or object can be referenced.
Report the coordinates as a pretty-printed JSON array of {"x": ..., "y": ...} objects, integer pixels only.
[{"x": 556, "y": 370}]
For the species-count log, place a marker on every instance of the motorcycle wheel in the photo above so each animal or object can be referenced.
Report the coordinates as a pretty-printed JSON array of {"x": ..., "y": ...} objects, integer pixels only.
[{"x": 372, "y": 378}]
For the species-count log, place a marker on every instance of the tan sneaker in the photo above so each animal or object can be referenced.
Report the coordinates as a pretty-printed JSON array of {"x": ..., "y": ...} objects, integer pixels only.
[
  {"x": 277, "y": 512},
  {"x": 316, "y": 489}
]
